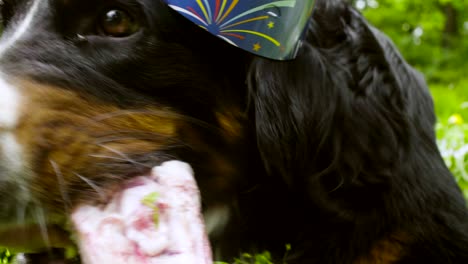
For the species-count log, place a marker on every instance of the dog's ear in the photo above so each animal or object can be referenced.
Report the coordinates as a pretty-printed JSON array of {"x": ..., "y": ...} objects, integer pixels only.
[
  {"x": 295, "y": 104},
  {"x": 344, "y": 112}
]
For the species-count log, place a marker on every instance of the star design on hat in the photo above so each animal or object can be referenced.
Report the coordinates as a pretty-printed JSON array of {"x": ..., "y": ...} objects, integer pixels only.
[
  {"x": 257, "y": 47},
  {"x": 248, "y": 25}
]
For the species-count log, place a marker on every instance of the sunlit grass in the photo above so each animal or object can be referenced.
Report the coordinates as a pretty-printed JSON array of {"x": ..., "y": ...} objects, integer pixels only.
[
  {"x": 264, "y": 258},
  {"x": 261, "y": 258}
]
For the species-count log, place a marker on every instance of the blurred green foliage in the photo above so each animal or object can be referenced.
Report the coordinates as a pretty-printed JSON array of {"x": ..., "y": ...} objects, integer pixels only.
[
  {"x": 5, "y": 256},
  {"x": 432, "y": 34}
]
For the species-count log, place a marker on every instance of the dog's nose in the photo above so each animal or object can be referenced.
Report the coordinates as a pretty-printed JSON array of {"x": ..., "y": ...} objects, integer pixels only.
[{"x": 9, "y": 105}]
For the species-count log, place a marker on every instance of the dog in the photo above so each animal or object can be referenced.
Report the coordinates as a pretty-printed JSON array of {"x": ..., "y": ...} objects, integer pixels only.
[{"x": 332, "y": 153}]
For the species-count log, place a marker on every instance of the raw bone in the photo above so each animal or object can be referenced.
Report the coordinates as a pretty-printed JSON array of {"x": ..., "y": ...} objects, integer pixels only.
[{"x": 156, "y": 219}]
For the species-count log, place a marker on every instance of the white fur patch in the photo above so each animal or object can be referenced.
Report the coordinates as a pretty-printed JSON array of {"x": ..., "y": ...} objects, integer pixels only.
[
  {"x": 216, "y": 219},
  {"x": 11, "y": 151},
  {"x": 9, "y": 96},
  {"x": 9, "y": 105},
  {"x": 15, "y": 174}
]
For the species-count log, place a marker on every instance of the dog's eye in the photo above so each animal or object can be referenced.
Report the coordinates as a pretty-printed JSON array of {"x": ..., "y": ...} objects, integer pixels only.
[{"x": 117, "y": 23}]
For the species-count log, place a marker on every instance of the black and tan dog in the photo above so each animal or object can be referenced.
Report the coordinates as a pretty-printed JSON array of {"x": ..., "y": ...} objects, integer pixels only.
[{"x": 333, "y": 152}]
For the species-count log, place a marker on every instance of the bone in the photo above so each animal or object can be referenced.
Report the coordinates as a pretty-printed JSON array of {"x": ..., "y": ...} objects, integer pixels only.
[{"x": 155, "y": 219}]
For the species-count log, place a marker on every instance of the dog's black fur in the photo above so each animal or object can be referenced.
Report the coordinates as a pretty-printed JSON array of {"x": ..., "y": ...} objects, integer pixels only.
[{"x": 337, "y": 154}]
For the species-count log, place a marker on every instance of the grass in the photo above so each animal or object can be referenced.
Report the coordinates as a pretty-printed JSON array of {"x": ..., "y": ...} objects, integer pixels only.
[{"x": 262, "y": 258}]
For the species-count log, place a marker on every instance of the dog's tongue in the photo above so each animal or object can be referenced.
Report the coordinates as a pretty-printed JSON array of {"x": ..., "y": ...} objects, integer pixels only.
[{"x": 155, "y": 219}]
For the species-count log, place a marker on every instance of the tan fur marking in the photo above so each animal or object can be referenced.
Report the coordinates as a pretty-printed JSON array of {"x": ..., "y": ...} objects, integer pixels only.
[
  {"x": 65, "y": 135},
  {"x": 79, "y": 148},
  {"x": 386, "y": 251},
  {"x": 231, "y": 123}
]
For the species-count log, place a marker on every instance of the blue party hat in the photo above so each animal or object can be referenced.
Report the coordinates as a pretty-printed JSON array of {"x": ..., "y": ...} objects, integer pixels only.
[{"x": 268, "y": 28}]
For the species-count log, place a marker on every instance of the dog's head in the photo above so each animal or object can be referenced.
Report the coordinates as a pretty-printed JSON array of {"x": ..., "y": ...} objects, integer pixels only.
[{"x": 94, "y": 92}]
